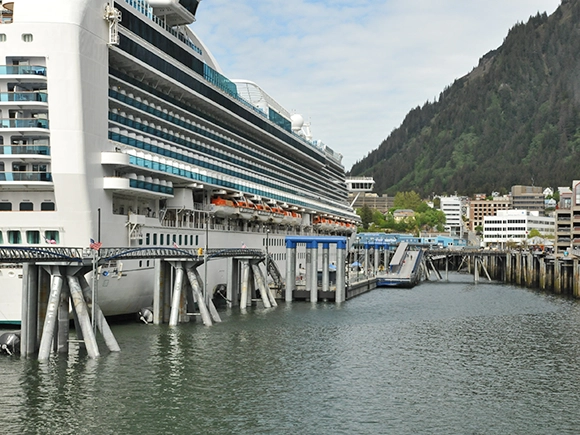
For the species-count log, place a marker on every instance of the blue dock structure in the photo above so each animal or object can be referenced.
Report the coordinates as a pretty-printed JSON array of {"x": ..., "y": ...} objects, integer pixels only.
[
  {"x": 311, "y": 272},
  {"x": 54, "y": 278}
]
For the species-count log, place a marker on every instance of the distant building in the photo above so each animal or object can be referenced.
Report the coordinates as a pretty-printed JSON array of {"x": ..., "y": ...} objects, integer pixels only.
[
  {"x": 529, "y": 198},
  {"x": 480, "y": 208},
  {"x": 381, "y": 203},
  {"x": 454, "y": 209},
  {"x": 403, "y": 214},
  {"x": 515, "y": 226},
  {"x": 567, "y": 213},
  {"x": 361, "y": 195}
]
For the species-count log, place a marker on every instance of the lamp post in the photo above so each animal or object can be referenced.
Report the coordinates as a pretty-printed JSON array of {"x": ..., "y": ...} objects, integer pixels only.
[
  {"x": 206, "y": 296},
  {"x": 267, "y": 253},
  {"x": 356, "y": 260}
]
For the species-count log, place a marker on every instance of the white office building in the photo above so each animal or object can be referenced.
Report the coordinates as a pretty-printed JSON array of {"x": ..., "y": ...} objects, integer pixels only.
[
  {"x": 514, "y": 226},
  {"x": 454, "y": 208}
]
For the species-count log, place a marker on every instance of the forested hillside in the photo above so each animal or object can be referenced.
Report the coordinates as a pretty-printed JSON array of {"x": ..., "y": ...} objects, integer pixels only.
[{"x": 515, "y": 119}]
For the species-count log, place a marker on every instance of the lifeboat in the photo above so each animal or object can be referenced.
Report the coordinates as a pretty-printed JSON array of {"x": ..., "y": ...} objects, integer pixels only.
[
  {"x": 278, "y": 214},
  {"x": 263, "y": 212},
  {"x": 247, "y": 209},
  {"x": 321, "y": 223},
  {"x": 223, "y": 208}
]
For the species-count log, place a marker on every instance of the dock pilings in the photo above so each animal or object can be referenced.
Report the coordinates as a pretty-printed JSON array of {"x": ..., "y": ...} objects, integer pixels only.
[
  {"x": 559, "y": 274},
  {"x": 48, "y": 290}
]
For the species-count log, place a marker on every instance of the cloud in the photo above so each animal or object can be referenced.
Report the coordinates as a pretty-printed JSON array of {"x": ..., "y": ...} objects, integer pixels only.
[{"x": 355, "y": 69}]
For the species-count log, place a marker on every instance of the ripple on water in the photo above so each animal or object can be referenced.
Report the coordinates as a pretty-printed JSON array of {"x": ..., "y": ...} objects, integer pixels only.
[{"x": 440, "y": 358}]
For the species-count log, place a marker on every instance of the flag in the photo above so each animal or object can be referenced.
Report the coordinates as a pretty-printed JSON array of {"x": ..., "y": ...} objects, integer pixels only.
[
  {"x": 175, "y": 245},
  {"x": 95, "y": 245}
]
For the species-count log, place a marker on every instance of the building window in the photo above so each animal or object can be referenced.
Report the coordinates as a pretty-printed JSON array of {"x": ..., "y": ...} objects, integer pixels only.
[
  {"x": 2, "y": 37},
  {"x": 14, "y": 237},
  {"x": 5, "y": 206},
  {"x": 51, "y": 237},
  {"x": 27, "y": 37},
  {"x": 33, "y": 237},
  {"x": 26, "y": 206},
  {"x": 161, "y": 238},
  {"x": 47, "y": 206}
]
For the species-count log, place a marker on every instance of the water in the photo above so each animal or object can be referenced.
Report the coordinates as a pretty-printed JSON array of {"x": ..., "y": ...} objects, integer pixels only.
[{"x": 442, "y": 358}]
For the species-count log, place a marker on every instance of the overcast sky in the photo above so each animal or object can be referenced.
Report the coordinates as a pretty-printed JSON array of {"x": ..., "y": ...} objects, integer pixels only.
[{"x": 354, "y": 69}]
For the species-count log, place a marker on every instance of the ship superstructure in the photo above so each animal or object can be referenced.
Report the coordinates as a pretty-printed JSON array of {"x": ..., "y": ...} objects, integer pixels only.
[{"x": 119, "y": 126}]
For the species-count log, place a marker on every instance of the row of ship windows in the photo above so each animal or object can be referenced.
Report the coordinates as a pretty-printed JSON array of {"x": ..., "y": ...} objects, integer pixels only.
[
  {"x": 26, "y": 37},
  {"x": 127, "y": 120},
  {"x": 505, "y": 236},
  {"x": 169, "y": 239},
  {"x": 187, "y": 80},
  {"x": 32, "y": 237},
  {"x": 182, "y": 240},
  {"x": 504, "y": 229},
  {"x": 27, "y": 206}
]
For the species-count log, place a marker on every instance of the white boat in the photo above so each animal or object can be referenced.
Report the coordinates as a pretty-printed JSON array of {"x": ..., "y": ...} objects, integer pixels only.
[{"x": 120, "y": 126}]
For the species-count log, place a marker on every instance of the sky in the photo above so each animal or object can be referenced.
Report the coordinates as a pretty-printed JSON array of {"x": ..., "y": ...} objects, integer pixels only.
[{"x": 354, "y": 69}]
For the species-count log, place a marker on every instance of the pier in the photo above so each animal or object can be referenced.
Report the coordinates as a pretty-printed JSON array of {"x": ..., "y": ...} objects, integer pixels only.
[
  {"x": 557, "y": 273},
  {"x": 54, "y": 278}
]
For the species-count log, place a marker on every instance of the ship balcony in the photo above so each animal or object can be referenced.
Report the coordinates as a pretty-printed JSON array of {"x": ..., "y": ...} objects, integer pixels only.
[
  {"x": 24, "y": 125},
  {"x": 35, "y": 71},
  {"x": 139, "y": 185},
  {"x": 37, "y": 152},
  {"x": 114, "y": 159},
  {"x": 25, "y": 180},
  {"x": 24, "y": 100}
]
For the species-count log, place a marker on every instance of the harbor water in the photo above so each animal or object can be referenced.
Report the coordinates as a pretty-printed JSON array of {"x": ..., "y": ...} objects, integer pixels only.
[{"x": 441, "y": 358}]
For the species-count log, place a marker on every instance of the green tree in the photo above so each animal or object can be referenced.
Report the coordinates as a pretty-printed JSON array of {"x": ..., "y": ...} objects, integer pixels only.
[
  {"x": 407, "y": 200},
  {"x": 366, "y": 216},
  {"x": 378, "y": 219}
]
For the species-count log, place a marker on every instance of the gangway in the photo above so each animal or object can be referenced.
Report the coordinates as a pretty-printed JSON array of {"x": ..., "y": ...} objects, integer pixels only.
[{"x": 403, "y": 269}]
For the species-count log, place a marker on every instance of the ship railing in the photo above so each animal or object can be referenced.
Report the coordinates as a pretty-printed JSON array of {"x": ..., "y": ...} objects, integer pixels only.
[
  {"x": 25, "y": 176},
  {"x": 23, "y": 123},
  {"x": 23, "y": 254},
  {"x": 32, "y": 96},
  {"x": 22, "y": 70},
  {"x": 144, "y": 8},
  {"x": 25, "y": 149}
]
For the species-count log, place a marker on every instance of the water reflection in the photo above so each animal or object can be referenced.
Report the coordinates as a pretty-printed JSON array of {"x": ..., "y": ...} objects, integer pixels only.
[{"x": 440, "y": 358}]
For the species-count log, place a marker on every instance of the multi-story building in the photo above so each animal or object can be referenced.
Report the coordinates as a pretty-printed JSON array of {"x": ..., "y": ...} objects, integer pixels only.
[
  {"x": 568, "y": 219},
  {"x": 528, "y": 198},
  {"x": 454, "y": 208},
  {"x": 515, "y": 226},
  {"x": 361, "y": 195},
  {"x": 381, "y": 203},
  {"x": 480, "y": 208}
]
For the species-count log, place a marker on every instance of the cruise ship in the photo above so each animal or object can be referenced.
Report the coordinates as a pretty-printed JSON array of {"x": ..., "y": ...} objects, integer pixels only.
[{"x": 118, "y": 125}]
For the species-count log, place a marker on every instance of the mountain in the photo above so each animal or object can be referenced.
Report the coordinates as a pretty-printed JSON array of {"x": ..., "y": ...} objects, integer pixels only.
[{"x": 514, "y": 119}]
